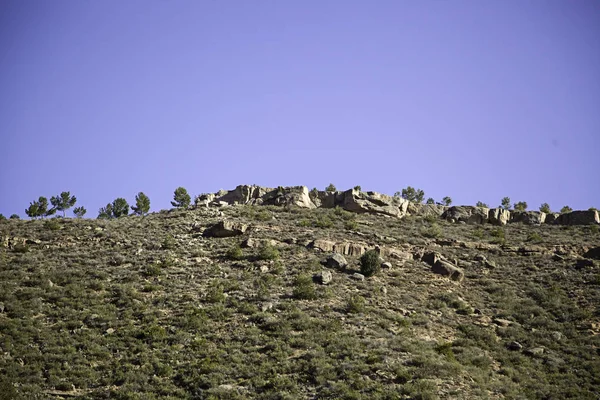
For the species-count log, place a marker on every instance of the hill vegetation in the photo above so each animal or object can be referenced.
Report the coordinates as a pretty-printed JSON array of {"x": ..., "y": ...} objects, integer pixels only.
[{"x": 278, "y": 301}]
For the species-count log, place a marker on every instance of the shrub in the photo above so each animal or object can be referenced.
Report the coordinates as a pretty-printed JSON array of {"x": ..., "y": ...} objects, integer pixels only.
[
  {"x": 330, "y": 188},
  {"x": 482, "y": 204},
  {"x": 235, "y": 252},
  {"x": 142, "y": 204},
  {"x": 430, "y": 201},
  {"x": 566, "y": 209},
  {"x": 447, "y": 200},
  {"x": 63, "y": 202},
  {"x": 534, "y": 237},
  {"x": 545, "y": 208},
  {"x": 2, "y": 217},
  {"x": 168, "y": 243},
  {"x": 498, "y": 235},
  {"x": 434, "y": 231},
  {"x": 351, "y": 225},
  {"x": 357, "y": 188},
  {"x": 370, "y": 263},
  {"x": 181, "y": 198},
  {"x": 15, "y": 216},
  {"x": 314, "y": 192},
  {"x": 520, "y": 206},
  {"x": 39, "y": 208},
  {"x": 79, "y": 212},
  {"x": 52, "y": 224},
  {"x": 356, "y": 304},
  {"x": 268, "y": 252},
  {"x": 505, "y": 203},
  {"x": 304, "y": 288}
]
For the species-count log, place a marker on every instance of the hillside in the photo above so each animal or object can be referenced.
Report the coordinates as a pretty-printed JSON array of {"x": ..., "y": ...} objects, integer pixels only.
[{"x": 227, "y": 301}]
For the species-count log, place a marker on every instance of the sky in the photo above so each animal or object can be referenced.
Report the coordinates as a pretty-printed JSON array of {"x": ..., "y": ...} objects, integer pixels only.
[{"x": 476, "y": 100}]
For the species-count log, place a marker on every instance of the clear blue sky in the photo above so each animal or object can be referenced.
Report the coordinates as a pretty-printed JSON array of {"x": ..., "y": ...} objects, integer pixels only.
[{"x": 473, "y": 99}]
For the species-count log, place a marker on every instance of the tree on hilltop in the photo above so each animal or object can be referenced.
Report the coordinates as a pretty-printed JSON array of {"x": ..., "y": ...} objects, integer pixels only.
[
  {"x": 447, "y": 200},
  {"x": 482, "y": 204},
  {"x": 566, "y": 209},
  {"x": 63, "y": 202},
  {"x": 39, "y": 208},
  {"x": 505, "y": 203},
  {"x": 545, "y": 208},
  {"x": 520, "y": 206},
  {"x": 79, "y": 212},
  {"x": 181, "y": 198},
  {"x": 118, "y": 208},
  {"x": 430, "y": 201},
  {"x": 142, "y": 204},
  {"x": 411, "y": 194}
]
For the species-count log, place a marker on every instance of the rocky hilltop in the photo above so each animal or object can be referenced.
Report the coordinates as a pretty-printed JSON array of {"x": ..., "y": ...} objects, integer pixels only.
[
  {"x": 259, "y": 293},
  {"x": 375, "y": 203}
]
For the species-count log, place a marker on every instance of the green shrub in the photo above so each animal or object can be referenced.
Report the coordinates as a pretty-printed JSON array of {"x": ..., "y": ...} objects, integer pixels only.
[
  {"x": 545, "y": 208},
  {"x": 434, "y": 231},
  {"x": 520, "y": 206},
  {"x": 370, "y": 263},
  {"x": 447, "y": 200},
  {"x": 505, "y": 203},
  {"x": 215, "y": 294},
  {"x": 235, "y": 252},
  {"x": 498, "y": 235},
  {"x": 411, "y": 194},
  {"x": 168, "y": 242},
  {"x": 482, "y": 204},
  {"x": 534, "y": 237},
  {"x": 351, "y": 225},
  {"x": 268, "y": 252},
  {"x": 304, "y": 288},
  {"x": 566, "y": 209},
  {"x": 2, "y": 217},
  {"x": 357, "y": 188},
  {"x": 330, "y": 188},
  {"x": 79, "y": 212},
  {"x": 430, "y": 201},
  {"x": 356, "y": 304},
  {"x": 15, "y": 216},
  {"x": 52, "y": 224}
]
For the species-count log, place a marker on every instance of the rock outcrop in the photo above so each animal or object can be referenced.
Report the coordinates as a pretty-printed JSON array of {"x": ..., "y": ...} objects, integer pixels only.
[
  {"x": 528, "y": 217},
  {"x": 588, "y": 217},
  {"x": 498, "y": 216},
  {"x": 225, "y": 229},
  {"x": 468, "y": 214},
  {"x": 374, "y": 203}
]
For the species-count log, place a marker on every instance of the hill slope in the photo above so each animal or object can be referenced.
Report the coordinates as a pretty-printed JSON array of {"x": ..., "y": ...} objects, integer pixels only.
[{"x": 143, "y": 308}]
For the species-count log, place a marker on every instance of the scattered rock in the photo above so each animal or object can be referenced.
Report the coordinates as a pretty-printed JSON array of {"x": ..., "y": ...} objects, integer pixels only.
[
  {"x": 264, "y": 269},
  {"x": 323, "y": 277},
  {"x": 337, "y": 261},
  {"x": 534, "y": 351},
  {"x": 323, "y": 245},
  {"x": 225, "y": 229},
  {"x": 445, "y": 268},
  {"x": 503, "y": 322},
  {"x": 358, "y": 277},
  {"x": 593, "y": 253},
  {"x": 266, "y": 307},
  {"x": 557, "y": 336},
  {"x": 515, "y": 346},
  {"x": 386, "y": 265}
]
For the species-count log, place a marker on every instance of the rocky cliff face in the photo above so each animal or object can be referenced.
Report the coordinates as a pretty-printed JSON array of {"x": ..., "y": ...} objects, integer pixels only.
[{"x": 376, "y": 203}]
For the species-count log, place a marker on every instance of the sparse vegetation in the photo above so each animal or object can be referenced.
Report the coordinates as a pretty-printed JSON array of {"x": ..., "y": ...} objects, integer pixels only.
[
  {"x": 79, "y": 211},
  {"x": 15, "y": 216},
  {"x": 447, "y": 201},
  {"x": 357, "y": 188},
  {"x": 330, "y": 188},
  {"x": 505, "y": 203},
  {"x": 482, "y": 204},
  {"x": 545, "y": 208},
  {"x": 430, "y": 201},
  {"x": 118, "y": 208}
]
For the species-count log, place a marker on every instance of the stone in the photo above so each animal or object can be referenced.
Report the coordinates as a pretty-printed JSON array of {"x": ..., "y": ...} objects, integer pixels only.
[
  {"x": 264, "y": 269},
  {"x": 467, "y": 214},
  {"x": 593, "y": 253},
  {"x": 431, "y": 257},
  {"x": 323, "y": 277},
  {"x": 498, "y": 216},
  {"x": 266, "y": 306},
  {"x": 588, "y": 217},
  {"x": 255, "y": 243},
  {"x": 225, "y": 229},
  {"x": 289, "y": 196},
  {"x": 358, "y": 277},
  {"x": 583, "y": 263},
  {"x": 557, "y": 336},
  {"x": 503, "y": 322},
  {"x": 323, "y": 245},
  {"x": 446, "y": 269},
  {"x": 337, "y": 261},
  {"x": 534, "y": 351},
  {"x": 386, "y": 265},
  {"x": 373, "y": 203},
  {"x": 551, "y": 218},
  {"x": 426, "y": 210},
  {"x": 350, "y": 249},
  {"x": 515, "y": 346},
  {"x": 528, "y": 217}
]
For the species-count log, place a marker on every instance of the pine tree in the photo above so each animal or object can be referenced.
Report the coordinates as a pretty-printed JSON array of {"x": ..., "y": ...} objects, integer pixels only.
[
  {"x": 142, "y": 204},
  {"x": 32, "y": 211},
  {"x": 566, "y": 209},
  {"x": 330, "y": 188},
  {"x": 447, "y": 201},
  {"x": 181, "y": 197},
  {"x": 505, "y": 203},
  {"x": 430, "y": 201},
  {"x": 63, "y": 202},
  {"x": 482, "y": 204},
  {"x": 39, "y": 208},
  {"x": 105, "y": 212},
  {"x": 545, "y": 208},
  {"x": 411, "y": 194},
  {"x": 79, "y": 212},
  {"x": 520, "y": 206},
  {"x": 120, "y": 208}
]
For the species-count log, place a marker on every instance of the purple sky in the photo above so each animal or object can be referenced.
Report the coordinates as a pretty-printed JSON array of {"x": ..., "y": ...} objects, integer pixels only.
[{"x": 473, "y": 99}]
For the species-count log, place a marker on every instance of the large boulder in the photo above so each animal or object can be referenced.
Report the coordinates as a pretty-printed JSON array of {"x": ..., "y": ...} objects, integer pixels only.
[
  {"x": 449, "y": 270},
  {"x": 528, "y": 217},
  {"x": 290, "y": 196},
  {"x": 426, "y": 210},
  {"x": 498, "y": 216},
  {"x": 588, "y": 217},
  {"x": 468, "y": 214},
  {"x": 337, "y": 261},
  {"x": 551, "y": 218},
  {"x": 594, "y": 253},
  {"x": 243, "y": 194},
  {"x": 225, "y": 229},
  {"x": 374, "y": 203}
]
